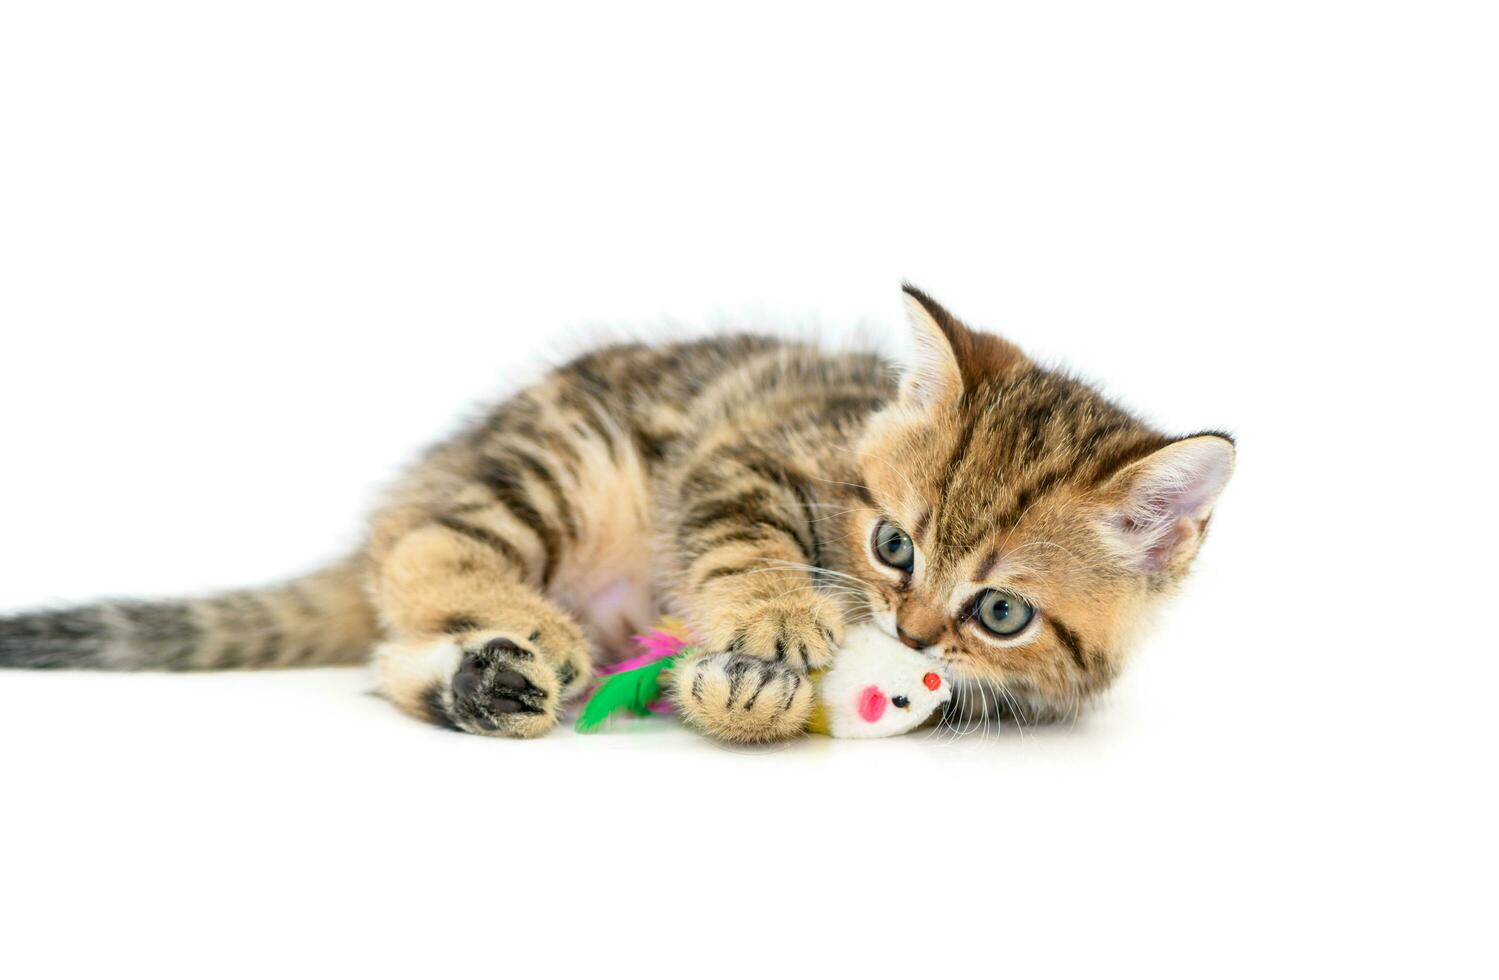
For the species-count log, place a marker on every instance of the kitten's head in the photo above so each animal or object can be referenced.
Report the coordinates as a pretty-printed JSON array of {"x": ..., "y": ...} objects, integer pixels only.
[{"x": 1019, "y": 525}]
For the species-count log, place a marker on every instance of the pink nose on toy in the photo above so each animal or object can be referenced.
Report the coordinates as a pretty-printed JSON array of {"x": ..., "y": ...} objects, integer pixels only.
[{"x": 872, "y": 703}]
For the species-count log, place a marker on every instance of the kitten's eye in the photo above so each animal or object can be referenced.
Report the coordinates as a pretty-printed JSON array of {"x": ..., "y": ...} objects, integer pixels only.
[
  {"x": 894, "y": 546},
  {"x": 1003, "y": 613}
]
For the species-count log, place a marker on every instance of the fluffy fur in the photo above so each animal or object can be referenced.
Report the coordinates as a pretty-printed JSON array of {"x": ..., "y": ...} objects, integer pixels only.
[{"x": 736, "y": 483}]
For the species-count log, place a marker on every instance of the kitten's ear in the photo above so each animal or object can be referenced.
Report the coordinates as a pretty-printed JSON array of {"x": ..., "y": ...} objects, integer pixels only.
[
  {"x": 946, "y": 356},
  {"x": 931, "y": 376},
  {"x": 1160, "y": 505}
]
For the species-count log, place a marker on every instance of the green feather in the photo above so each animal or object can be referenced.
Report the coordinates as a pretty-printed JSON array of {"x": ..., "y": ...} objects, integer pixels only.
[{"x": 630, "y": 690}]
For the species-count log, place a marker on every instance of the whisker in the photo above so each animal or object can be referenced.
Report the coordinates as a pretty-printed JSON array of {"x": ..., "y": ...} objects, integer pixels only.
[
  {"x": 778, "y": 564},
  {"x": 983, "y": 670},
  {"x": 842, "y": 483}
]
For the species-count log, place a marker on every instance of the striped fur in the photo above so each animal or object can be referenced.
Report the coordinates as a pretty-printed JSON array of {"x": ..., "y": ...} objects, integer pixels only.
[
  {"x": 734, "y": 482},
  {"x": 320, "y": 619}
]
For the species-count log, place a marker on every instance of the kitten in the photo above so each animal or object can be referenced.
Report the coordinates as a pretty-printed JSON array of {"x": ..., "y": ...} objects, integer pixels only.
[{"x": 996, "y": 515}]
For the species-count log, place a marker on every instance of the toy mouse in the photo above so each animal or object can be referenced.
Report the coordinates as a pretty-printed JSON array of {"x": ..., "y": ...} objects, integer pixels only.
[{"x": 875, "y": 687}]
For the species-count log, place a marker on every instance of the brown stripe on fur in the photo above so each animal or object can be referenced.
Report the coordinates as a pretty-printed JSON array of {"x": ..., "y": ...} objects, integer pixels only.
[
  {"x": 487, "y": 538},
  {"x": 752, "y": 529},
  {"x": 1032, "y": 492},
  {"x": 723, "y": 571},
  {"x": 919, "y": 531},
  {"x": 510, "y": 492},
  {"x": 753, "y": 534},
  {"x": 860, "y": 491},
  {"x": 544, "y": 475},
  {"x": 1070, "y": 642},
  {"x": 946, "y": 529},
  {"x": 744, "y": 508}
]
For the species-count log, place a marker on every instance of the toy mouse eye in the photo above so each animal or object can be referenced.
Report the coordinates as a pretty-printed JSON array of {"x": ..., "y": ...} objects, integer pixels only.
[
  {"x": 893, "y": 546},
  {"x": 901, "y": 701}
]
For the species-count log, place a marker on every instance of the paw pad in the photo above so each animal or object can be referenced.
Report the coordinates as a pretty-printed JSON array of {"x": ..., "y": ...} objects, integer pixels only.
[{"x": 494, "y": 692}]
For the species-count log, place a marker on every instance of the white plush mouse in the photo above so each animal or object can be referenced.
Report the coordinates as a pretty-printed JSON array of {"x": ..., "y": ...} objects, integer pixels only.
[{"x": 877, "y": 686}]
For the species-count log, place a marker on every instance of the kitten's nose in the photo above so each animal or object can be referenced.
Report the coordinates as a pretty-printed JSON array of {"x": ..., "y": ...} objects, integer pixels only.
[{"x": 912, "y": 641}]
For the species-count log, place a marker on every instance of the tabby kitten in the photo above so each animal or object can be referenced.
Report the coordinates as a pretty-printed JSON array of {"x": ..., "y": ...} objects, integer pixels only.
[{"x": 999, "y": 516}]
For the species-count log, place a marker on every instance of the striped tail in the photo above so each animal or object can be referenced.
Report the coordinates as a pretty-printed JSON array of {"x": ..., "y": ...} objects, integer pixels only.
[{"x": 323, "y": 618}]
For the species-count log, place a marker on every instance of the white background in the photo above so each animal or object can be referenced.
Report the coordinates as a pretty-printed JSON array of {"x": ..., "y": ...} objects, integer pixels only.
[{"x": 253, "y": 256}]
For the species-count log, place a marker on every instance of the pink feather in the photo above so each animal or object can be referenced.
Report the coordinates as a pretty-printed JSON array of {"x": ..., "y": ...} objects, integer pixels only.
[{"x": 656, "y": 644}]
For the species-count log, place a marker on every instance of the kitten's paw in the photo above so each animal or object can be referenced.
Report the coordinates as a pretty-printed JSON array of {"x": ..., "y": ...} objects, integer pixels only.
[
  {"x": 802, "y": 631},
  {"x": 487, "y": 682},
  {"x": 740, "y": 698},
  {"x": 503, "y": 687}
]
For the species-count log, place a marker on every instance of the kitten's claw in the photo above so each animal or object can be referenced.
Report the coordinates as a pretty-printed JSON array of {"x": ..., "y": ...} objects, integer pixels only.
[
  {"x": 803, "y": 633},
  {"x": 742, "y": 699}
]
